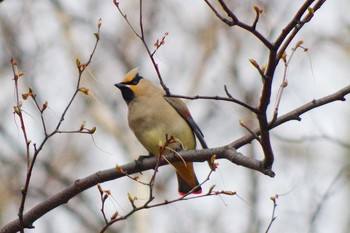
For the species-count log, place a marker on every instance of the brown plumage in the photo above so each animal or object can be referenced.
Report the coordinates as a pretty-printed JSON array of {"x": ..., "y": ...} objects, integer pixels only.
[{"x": 152, "y": 117}]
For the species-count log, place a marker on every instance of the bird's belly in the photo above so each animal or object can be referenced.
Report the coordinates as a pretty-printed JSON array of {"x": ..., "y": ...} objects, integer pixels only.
[{"x": 154, "y": 137}]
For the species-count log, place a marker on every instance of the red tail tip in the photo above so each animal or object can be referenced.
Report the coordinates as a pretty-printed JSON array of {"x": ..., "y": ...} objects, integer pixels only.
[{"x": 195, "y": 192}]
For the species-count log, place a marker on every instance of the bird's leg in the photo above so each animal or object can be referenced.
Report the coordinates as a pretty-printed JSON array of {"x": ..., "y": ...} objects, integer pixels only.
[
  {"x": 139, "y": 161},
  {"x": 178, "y": 148}
]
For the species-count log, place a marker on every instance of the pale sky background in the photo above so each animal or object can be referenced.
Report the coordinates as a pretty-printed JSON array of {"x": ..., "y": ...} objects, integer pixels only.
[{"x": 200, "y": 56}]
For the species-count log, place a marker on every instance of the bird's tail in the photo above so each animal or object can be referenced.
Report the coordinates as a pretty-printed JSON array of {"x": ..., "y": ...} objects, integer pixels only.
[{"x": 186, "y": 177}]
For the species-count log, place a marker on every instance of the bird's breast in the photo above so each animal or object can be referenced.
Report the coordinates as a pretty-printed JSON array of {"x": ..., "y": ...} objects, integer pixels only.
[{"x": 152, "y": 123}]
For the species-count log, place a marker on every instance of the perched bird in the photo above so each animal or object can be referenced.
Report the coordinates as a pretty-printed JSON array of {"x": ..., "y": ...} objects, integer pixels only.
[{"x": 155, "y": 118}]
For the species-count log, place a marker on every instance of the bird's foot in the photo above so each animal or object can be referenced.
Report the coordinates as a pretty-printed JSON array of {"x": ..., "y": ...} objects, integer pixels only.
[{"x": 139, "y": 161}]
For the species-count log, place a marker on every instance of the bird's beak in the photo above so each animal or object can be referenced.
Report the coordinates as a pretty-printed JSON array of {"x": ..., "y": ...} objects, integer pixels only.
[{"x": 119, "y": 85}]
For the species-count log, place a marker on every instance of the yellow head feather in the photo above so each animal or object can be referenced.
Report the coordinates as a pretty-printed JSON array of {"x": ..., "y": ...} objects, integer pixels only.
[{"x": 131, "y": 75}]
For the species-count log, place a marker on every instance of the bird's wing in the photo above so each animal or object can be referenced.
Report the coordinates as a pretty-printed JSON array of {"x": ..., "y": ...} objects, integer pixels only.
[{"x": 181, "y": 108}]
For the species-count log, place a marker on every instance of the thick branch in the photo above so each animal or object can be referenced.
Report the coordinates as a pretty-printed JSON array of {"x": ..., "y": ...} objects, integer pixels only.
[
  {"x": 148, "y": 163},
  {"x": 262, "y": 115},
  {"x": 281, "y": 43}
]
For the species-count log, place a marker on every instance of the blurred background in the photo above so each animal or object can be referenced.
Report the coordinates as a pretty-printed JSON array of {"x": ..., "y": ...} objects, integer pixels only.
[{"x": 200, "y": 56}]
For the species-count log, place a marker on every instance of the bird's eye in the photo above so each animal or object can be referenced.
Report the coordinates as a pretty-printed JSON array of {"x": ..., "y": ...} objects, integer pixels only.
[{"x": 136, "y": 80}]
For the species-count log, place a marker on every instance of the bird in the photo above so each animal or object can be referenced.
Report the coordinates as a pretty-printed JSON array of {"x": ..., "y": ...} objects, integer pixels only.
[{"x": 155, "y": 119}]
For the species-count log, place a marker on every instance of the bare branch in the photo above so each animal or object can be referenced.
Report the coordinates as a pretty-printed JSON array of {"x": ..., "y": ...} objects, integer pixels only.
[
  {"x": 258, "y": 12},
  {"x": 284, "y": 83},
  {"x": 141, "y": 36},
  {"x": 326, "y": 196},
  {"x": 148, "y": 163},
  {"x": 284, "y": 39},
  {"x": 295, "y": 114},
  {"x": 273, "y": 217},
  {"x": 294, "y": 26},
  {"x": 276, "y": 51},
  {"x": 229, "y": 99},
  {"x": 236, "y": 22},
  {"x": 37, "y": 150},
  {"x": 147, "y": 204},
  {"x": 18, "y": 107},
  {"x": 227, "y": 152}
]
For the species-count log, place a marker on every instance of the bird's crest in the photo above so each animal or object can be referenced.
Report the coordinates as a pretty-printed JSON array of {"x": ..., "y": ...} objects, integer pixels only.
[{"x": 131, "y": 75}]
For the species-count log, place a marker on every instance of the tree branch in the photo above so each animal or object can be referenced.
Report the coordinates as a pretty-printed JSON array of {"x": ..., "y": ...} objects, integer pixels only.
[
  {"x": 236, "y": 22},
  {"x": 81, "y": 185},
  {"x": 295, "y": 25},
  {"x": 227, "y": 152},
  {"x": 229, "y": 99},
  {"x": 275, "y": 55},
  {"x": 142, "y": 37},
  {"x": 276, "y": 52},
  {"x": 295, "y": 114},
  {"x": 37, "y": 149}
]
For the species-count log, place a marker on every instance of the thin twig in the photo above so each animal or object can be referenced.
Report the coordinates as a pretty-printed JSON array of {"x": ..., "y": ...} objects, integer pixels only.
[
  {"x": 284, "y": 83},
  {"x": 81, "y": 69},
  {"x": 103, "y": 195},
  {"x": 290, "y": 31},
  {"x": 295, "y": 114},
  {"x": 326, "y": 196},
  {"x": 273, "y": 217},
  {"x": 141, "y": 36},
  {"x": 41, "y": 110},
  {"x": 229, "y": 99},
  {"x": 18, "y": 107},
  {"x": 147, "y": 204},
  {"x": 166, "y": 202},
  {"x": 250, "y": 131},
  {"x": 37, "y": 149},
  {"x": 257, "y": 16},
  {"x": 18, "y": 110},
  {"x": 236, "y": 22}
]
